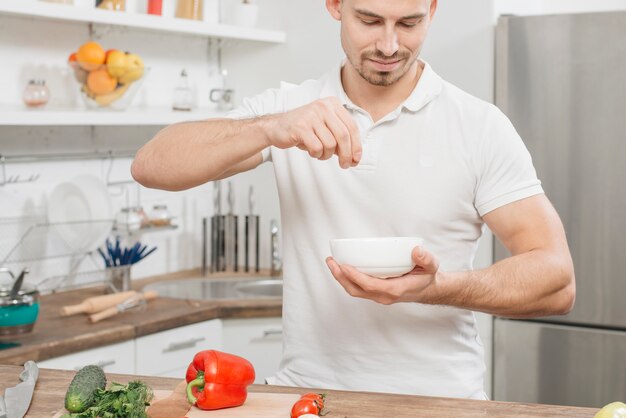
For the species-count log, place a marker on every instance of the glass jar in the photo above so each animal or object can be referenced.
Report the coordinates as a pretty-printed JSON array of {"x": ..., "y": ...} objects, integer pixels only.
[
  {"x": 155, "y": 7},
  {"x": 119, "y": 5},
  {"x": 145, "y": 221},
  {"x": 160, "y": 216},
  {"x": 128, "y": 219},
  {"x": 36, "y": 93},
  {"x": 189, "y": 9},
  {"x": 182, "y": 93}
]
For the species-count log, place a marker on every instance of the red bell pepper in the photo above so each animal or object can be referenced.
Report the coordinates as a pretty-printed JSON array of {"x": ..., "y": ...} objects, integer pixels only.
[{"x": 217, "y": 380}]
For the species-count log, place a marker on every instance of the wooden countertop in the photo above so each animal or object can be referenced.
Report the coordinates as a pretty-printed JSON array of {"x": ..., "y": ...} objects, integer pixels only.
[
  {"x": 52, "y": 384},
  {"x": 55, "y": 335}
]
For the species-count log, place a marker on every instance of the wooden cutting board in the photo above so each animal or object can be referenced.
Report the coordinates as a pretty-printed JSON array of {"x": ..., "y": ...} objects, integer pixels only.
[{"x": 260, "y": 405}]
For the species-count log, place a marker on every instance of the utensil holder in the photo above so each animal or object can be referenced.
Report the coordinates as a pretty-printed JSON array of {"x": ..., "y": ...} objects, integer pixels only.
[{"x": 118, "y": 279}]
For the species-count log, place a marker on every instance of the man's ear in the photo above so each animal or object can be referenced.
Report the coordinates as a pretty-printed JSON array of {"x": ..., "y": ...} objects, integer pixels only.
[
  {"x": 334, "y": 8},
  {"x": 433, "y": 8}
]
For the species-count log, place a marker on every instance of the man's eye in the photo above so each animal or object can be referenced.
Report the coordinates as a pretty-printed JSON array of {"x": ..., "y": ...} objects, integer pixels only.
[
  {"x": 408, "y": 24},
  {"x": 369, "y": 22}
]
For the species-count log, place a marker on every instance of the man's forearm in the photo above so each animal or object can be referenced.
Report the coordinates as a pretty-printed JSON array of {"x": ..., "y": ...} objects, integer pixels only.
[
  {"x": 532, "y": 284},
  {"x": 188, "y": 154}
]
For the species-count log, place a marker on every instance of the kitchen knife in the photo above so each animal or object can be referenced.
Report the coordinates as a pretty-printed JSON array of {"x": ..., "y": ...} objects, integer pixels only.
[
  {"x": 18, "y": 398},
  {"x": 231, "y": 230},
  {"x": 220, "y": 229},
  {"x": 254, "y": 228},
  {"x": 214, "y": 230},
  {"x": 256, "y": 243},
  {"x": 248, "y": 228}
]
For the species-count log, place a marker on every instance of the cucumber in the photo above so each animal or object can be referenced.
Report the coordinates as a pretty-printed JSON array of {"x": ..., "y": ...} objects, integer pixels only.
[{"x": 81, "y": 392}]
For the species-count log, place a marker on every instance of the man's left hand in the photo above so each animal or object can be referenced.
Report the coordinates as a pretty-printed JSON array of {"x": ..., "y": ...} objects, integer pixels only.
[{"x": 414, "y": 286}]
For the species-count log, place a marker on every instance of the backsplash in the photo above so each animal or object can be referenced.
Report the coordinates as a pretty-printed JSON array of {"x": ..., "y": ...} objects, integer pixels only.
[{"x": 25, "y": 204}]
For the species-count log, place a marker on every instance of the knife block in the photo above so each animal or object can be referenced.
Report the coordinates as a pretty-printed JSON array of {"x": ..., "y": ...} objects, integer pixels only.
[{"x": 224, "y": 243}]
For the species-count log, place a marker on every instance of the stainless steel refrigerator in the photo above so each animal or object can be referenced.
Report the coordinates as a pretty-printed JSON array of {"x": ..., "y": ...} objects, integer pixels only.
[{"x": 561, "y": 79}]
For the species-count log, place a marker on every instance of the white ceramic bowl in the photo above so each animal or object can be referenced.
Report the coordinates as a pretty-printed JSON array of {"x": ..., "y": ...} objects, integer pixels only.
[{"x": 380, "y": 257}]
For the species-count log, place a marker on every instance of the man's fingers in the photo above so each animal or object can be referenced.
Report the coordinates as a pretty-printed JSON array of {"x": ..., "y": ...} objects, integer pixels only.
[
  {"x": 347, "y": 284},
  {"x": 312, "y": 144},
  {"x": 328, "y": 141},
  {"x": 355, "y": 137},
  {"x": 424, "y": 261},
  {"x": 341, "y": 133}
]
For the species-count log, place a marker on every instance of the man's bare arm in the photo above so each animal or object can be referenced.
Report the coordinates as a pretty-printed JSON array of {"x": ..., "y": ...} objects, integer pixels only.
[
  {"x": 188, "y": 154},
  {"x": 537, "y": 280}
]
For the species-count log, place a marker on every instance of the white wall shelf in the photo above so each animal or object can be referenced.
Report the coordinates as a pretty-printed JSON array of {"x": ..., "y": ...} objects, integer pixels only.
[
  {"x": 43, "y": 10},
  {"x": 22, "y": 116}
]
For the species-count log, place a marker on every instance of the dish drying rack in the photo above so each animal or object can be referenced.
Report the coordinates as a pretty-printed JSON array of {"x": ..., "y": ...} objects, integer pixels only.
[
  {"x": 40, "y": 246},
  {"x": 33, "y": 158}
]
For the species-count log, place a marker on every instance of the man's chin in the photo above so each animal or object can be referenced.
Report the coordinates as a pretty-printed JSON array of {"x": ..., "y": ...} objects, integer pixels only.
[{"x": 382, "y": 79}]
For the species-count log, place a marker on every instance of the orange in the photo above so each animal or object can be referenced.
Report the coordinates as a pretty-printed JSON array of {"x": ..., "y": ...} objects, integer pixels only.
[
  {"x": 90, "y": 55},
  {"x": 100, "y": 82},
  {"x": 106, "y": 55}
]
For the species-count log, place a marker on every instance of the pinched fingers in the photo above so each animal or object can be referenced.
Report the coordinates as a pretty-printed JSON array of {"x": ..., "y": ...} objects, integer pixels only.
[
  {"x": 327, "y": 139},
  {"x": 342, "y": 137},
  {"x": 356, "y": 149}
]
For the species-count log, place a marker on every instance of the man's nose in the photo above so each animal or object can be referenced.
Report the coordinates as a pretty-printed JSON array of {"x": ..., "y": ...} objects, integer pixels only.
[{"x": 388, "y": 42}]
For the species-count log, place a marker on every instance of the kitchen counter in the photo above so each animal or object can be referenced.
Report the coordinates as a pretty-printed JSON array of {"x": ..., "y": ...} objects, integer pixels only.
[
  {"x": 55, "y": 335},
  {"x": 52, "y": 384}
]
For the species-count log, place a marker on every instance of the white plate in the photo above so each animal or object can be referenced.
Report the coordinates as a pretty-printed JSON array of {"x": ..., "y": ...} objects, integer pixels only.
[{"x": 82, "y": 212}]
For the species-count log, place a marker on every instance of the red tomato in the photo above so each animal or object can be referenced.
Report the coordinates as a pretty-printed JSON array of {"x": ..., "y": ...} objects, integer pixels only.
[
  {"x": 304, "y": 406},
  {"x": 317, "y": 397}
]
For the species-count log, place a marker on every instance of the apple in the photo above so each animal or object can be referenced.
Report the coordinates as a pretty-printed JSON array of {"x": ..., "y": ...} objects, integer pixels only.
[
  {"x": 80, "y": 74},
  {"x": 117, "y": 63},
  {"x": 134, "y": 65}
]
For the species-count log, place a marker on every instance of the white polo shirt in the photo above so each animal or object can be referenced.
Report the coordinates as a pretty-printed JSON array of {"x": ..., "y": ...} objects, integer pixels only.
[{"x": 430, "y": 168}]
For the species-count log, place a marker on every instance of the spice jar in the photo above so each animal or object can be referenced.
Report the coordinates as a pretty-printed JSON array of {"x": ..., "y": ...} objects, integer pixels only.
[
  {"x": 160, "y": 216},
  {"x": 36, "y": 93},
  {"x": 145, "y": 221},
  {"x": 189, "y": 9},
  {"x": 119, "y": 5},
  {"x": 182, "y": 94},
  {"x": 128, "y": 219},
  {"x": 155, "y": 7}
]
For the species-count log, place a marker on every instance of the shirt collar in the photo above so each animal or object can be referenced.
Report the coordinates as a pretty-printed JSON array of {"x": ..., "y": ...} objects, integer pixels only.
[{"x": 428, "y": 87}]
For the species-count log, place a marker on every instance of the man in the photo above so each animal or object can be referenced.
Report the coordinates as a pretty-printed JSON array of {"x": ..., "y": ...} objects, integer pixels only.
[{"x": 415, "y": 156}]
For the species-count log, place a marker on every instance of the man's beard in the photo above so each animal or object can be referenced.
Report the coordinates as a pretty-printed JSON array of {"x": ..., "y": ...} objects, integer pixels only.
[{"x": 383, "y": 78}]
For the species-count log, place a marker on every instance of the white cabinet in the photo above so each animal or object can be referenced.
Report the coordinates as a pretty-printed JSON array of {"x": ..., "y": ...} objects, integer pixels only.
[
  {"x": 114, "y": 358},
  {"x": 259, "y": 340},
  {"x": 168, "y": 353}
]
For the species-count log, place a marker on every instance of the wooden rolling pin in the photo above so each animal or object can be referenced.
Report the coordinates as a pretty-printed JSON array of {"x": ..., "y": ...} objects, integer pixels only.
[
  {"x": 97, "y": 303},
  {"x": 129, "y": 303}
]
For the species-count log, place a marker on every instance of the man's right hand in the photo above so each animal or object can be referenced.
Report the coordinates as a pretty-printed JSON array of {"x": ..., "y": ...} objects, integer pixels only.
[{"x": 321, "y": 128}]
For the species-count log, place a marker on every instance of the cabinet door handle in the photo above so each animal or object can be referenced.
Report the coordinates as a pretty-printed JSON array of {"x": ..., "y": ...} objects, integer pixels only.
[
  {"x": 269, "y": 332},
  {"x": 102, "y": 364},
  {"x": 105, "y": 363},
  {"x": 183, "y": 344}
]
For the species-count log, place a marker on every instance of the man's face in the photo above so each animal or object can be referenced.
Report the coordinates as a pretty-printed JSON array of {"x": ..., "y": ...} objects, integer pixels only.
[{"x": 382, "y": 39}]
